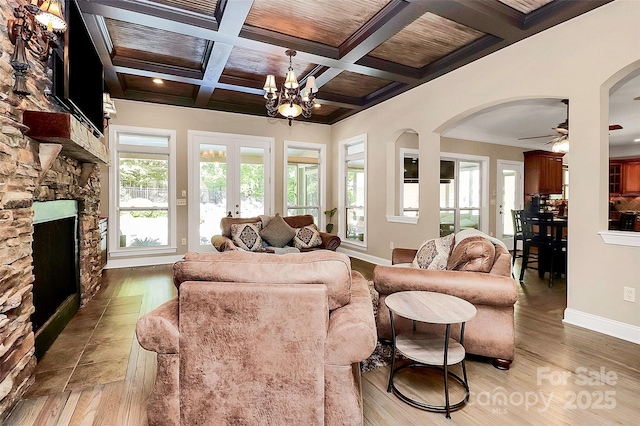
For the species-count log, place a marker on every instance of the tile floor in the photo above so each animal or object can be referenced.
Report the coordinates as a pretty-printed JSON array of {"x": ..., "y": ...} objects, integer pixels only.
[{"x": 93, "y": 349}]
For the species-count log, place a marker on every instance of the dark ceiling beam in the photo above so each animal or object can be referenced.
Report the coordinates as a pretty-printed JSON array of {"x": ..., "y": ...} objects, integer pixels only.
[
  {"x": 137, "y": 95},
  {"x": 462, "y": 56},
  {"x": 341, "y": 101},
  {"x": 105, "y": 8},
  {"x": 559, "y": 11},
  {"x": 152, "y": 74},
  {"x": 489, "y": 17},
  {"x": 100, "y": 37},
  {"x": 377, "y": 63},
  {"x": 391, "y": 19},
  {"x": 154, "y": 67},
  {"x": 152, "y": 9},
  {"x": 285, "y": 41},
  {"x": 232, "y": 16}
]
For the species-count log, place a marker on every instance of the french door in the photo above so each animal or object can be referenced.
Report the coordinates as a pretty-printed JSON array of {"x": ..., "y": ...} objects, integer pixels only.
[
  {"x": 229, "y": 175},
  {"x": 510, "y": 190}
]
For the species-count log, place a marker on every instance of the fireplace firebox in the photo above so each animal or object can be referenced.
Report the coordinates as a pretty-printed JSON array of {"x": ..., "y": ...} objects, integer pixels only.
[{"x": 56, "y": 289}]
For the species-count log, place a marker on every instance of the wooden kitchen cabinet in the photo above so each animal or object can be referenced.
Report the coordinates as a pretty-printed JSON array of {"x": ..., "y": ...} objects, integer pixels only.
[
  {"x": 542, "y": 172},
  {"x": 624, "y": 176},
  {"x": 631, "y": 177},
  {"x": 615, "y": 177}
]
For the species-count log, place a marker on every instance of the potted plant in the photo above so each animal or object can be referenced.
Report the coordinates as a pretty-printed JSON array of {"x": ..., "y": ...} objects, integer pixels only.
[{"x": 330, "y": 213}]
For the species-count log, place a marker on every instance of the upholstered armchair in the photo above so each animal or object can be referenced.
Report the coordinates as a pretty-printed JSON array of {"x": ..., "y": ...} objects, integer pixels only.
[
  {"x": 256, "y": 338},
  {"x": 491, "y": 333}
]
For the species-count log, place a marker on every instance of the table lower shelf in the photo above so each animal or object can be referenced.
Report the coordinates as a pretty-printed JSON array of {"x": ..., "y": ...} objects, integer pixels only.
[
  {"x": 448, "y": 407},
  {"x": 429, "y": 350}
]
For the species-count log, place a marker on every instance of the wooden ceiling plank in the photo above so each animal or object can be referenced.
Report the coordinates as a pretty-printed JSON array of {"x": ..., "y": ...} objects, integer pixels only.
[{"x": 396, "y": 15}]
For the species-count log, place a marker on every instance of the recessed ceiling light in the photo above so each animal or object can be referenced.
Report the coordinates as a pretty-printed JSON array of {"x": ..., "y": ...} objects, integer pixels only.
[
  {"x": 317, "y": 105},
  {"x": 637, "y": 140},
  {"x": 158, "y": 81}
]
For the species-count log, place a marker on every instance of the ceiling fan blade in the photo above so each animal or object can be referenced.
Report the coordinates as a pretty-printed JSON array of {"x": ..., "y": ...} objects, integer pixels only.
[
  {"x": 535, "y": 137},
  {"x": 615, "y": 127}
]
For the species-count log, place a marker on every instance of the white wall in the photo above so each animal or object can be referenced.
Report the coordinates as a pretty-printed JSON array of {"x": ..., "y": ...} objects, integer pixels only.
[{"x": 573, "y": 60}]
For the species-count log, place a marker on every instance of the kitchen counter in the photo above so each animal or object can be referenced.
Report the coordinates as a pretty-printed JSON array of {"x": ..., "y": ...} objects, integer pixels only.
[{"x": 614, "y": 220}]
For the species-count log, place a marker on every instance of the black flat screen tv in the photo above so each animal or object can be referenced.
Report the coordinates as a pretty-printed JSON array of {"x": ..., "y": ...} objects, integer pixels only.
[{"x": 78, "y": 74}]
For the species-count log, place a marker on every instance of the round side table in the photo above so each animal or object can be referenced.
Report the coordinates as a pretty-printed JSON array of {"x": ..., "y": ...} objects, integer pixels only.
[{"x": 427, "y": 351}]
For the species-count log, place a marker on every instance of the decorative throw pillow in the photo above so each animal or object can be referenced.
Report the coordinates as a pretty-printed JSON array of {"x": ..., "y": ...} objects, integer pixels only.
[
  {"x": 474, "y": 254},
  {"x": 277, "y": 233},
  {"x": 307, "y": 237},
  {"x": 246, "y": 236},
  {"x": 434, "y": 254}
]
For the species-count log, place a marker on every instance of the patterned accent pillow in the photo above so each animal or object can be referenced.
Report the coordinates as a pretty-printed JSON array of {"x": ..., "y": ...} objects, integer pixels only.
[
  {"x": 277, "y": 233},
  {"x": 434, "y": 254},
  {"x": 307, "y": 237},
  {"x": 246, "y": 236}
]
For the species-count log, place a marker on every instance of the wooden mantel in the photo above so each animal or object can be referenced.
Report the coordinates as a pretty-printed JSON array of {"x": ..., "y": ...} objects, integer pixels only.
[{"x": 62, "y": 128}]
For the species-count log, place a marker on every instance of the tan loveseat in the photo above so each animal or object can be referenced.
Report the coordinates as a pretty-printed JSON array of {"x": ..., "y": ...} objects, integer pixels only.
[
  {"x": 224, "y": 243},
  {"x": 259, "y": 338},
  {"x": 490, "y": 333}
]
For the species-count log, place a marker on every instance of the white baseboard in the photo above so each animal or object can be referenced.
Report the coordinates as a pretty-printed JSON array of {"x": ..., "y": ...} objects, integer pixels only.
[
  {"x": 364, "y": 256},
  {"x": 142, "y": 261},
  {"x": 621, "y": 330}
]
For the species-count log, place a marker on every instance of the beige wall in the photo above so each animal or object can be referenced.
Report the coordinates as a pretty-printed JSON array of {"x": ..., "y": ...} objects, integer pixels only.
[
  {"x": 573, "y": 60},
  {"x": 180, "y": 119}
]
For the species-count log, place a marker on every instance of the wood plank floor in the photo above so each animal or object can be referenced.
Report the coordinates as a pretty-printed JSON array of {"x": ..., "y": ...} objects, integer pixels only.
[{"x": 549, "y": 382}]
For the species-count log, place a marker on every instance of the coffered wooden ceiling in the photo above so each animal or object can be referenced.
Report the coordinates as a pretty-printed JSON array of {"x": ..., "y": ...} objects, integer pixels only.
[{"x": 215, "y": 54}]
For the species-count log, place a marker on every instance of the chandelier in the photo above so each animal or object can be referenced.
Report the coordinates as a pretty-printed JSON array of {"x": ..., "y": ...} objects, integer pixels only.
[{"x": 289, "y": 102}]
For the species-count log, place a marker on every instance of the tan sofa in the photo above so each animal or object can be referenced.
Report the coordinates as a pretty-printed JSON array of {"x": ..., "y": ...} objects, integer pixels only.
[
  {"x": 223, "y": 242},
  {"x": 490, "y": 333},
  {"x": 258, "y": 338}
]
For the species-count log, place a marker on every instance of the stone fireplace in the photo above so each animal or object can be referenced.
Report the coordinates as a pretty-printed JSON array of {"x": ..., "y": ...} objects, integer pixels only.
[
  {"x": 31, "y": 171},
  {"x": 21, "y": 183}
]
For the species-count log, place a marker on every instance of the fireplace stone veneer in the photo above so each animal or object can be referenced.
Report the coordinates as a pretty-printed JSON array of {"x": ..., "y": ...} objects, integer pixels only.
[{"x": 22, "y": 182}]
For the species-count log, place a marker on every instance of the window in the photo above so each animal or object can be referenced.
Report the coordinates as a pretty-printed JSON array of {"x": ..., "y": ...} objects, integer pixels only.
[
  {"x": 463, "y": 192},
  {"x": 353, "y": 182},
  {"x": 142, "y": 191},
  {"x": 409, "y": 182},
  {"x": 305, "y": 163}
]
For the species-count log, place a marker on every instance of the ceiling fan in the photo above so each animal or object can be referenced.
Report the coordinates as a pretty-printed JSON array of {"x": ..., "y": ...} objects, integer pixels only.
[{"x": 560, "y": 140}]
